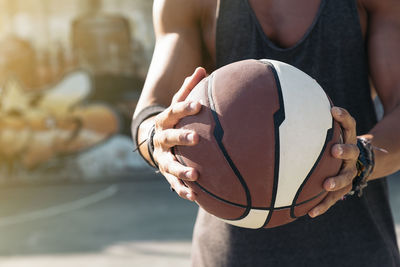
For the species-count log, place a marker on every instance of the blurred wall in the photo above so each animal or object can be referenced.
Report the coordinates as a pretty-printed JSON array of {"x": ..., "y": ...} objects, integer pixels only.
[
  {"x": 70, "y": 76},
  {"x": 46, "y": 24}
]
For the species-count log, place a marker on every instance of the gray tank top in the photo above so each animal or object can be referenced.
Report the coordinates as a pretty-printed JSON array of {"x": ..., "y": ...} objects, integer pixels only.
[{"x": 354, "y": 232}]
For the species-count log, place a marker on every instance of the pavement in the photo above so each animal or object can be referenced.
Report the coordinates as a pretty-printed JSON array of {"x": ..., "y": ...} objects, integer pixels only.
[{"x": 126, "y": 223}]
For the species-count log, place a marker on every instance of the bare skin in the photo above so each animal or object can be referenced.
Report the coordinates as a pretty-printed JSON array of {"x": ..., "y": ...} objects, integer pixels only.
[{"x": 185, "y": 39}]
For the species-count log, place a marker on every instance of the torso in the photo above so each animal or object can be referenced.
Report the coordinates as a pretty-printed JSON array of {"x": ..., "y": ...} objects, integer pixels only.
[
  {"x": 284, "y": 22},
  {"x": 338, "y": 62}
]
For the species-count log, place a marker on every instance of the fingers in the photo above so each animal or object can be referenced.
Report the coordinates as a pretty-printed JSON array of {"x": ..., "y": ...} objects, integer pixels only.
[
  {"x": 345, "y": 151},
  {"x": 189, "y": 84},
  {"x": 329, "y": 201},
  {"x": 173, "y": 167},
  {"x": 344, "y": 179},
  {"x": 174, "y": 137},
  {"x": 348, "y": 152},
  {"x": 168, "y": 165},
  {"x": 341, "y": 184},
  {"x": 166, "y": 137},
  {"x": 180, "y": 188},
  {"x": 174, "y": 113},
  {"x": 348, "y": 124}
]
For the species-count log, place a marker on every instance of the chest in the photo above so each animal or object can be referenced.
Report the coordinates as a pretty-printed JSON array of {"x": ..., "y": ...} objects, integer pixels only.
[{"x": 284, "y": 22}]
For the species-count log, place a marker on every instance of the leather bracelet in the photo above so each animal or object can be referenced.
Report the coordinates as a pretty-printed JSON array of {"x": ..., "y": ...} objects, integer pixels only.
[
  {"x": 365, "y": 166},
  {"x": 150, "y": 145}
]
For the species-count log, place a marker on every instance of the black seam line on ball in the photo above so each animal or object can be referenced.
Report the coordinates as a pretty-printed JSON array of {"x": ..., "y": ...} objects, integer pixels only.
[
  {"x": 328, "y": 138},
  {"x": 218, "y": 134},
  {"x": 279, "y": 117},
  {"x": 257, "y": 208}
]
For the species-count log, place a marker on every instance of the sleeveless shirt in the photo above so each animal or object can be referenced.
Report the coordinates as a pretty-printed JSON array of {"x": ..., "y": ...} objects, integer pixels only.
[{"x": 354, "y": 232}]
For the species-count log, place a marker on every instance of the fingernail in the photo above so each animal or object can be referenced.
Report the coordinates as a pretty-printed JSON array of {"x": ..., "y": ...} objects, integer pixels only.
[
  {"x": 193, "y": 105},
  {"x": 190, "y": 137},
  {"x": 337, "y": 111},
  {"x": 339, "y": 150},
  {"x": 332, "y": 184},
  {"x": 189, "y": 196},
  {"x": 314, "y": 213},
  {"x": 190, "y": 175}
]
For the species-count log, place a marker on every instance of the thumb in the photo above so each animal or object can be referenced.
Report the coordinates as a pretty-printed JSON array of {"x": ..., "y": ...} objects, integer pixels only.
[{"x": 189, "y": 83}]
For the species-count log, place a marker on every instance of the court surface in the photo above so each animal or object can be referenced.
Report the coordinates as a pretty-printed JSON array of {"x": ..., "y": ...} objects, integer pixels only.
[{"x": 132, "y": 222}]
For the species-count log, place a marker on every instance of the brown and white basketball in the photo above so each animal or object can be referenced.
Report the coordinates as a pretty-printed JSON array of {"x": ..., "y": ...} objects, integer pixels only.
[{"x": 266, "y": 132}]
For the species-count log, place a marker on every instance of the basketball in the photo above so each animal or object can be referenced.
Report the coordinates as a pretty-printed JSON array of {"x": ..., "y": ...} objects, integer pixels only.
[{"x": 266, "y": 133}]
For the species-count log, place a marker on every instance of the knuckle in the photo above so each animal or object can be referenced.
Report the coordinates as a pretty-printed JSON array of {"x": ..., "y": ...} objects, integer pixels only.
[
  {"x": 179, "y": 107},
  {"x": 162, "y": 139},
  {"x": 170, "y": 111},
  {"x": 344, "y": 111},
  {"x": 158, "y": 141},
  {"x": 163, "y": 167},
  {"x": 159, "y": 119},
  {"x": 181, "y": 174},
  {"x": 187, "y": 106},
  {"x": 182, "y": 137},
  {"x": 158, "y": 124}
]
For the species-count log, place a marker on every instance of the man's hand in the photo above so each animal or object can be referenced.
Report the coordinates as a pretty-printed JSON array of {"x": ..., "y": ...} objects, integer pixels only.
[
  {"x": 166, "y": 137},
  {"x": 341, "y": 184}
]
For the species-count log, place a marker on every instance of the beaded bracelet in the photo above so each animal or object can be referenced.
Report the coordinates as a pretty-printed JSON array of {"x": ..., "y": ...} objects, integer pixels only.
[{"x": 365, "y": 166}]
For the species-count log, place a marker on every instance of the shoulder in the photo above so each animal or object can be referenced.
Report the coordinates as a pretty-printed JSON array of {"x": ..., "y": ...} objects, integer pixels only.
[
  {"x": 381, "y": 7},
  {"x": 170, "y": 15}
]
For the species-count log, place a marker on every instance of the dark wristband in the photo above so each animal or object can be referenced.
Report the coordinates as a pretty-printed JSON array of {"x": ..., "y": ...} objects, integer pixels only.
[{"x": 143, "y": 115}]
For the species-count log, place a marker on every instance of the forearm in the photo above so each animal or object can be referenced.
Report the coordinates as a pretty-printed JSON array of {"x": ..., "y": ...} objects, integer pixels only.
[{"x": 386, "y": 135}]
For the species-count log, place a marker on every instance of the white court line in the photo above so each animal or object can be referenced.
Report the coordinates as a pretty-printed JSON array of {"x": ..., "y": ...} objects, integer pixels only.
[{"x": 60, "y": 209}]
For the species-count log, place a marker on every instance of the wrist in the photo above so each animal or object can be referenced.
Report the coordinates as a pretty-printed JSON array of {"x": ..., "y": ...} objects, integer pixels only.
[{"x": 141, "y": 126}]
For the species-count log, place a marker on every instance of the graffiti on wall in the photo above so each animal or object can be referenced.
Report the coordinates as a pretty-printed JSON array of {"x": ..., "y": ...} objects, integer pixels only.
[
  {"x": 70, "y": 75},
  {"x": 58, "y": 121}
]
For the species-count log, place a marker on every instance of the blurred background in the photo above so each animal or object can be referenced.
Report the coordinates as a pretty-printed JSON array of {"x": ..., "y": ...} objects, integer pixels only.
[
  {"x": 71, "y": 189},
  {"x": 70, "y": 75}
]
